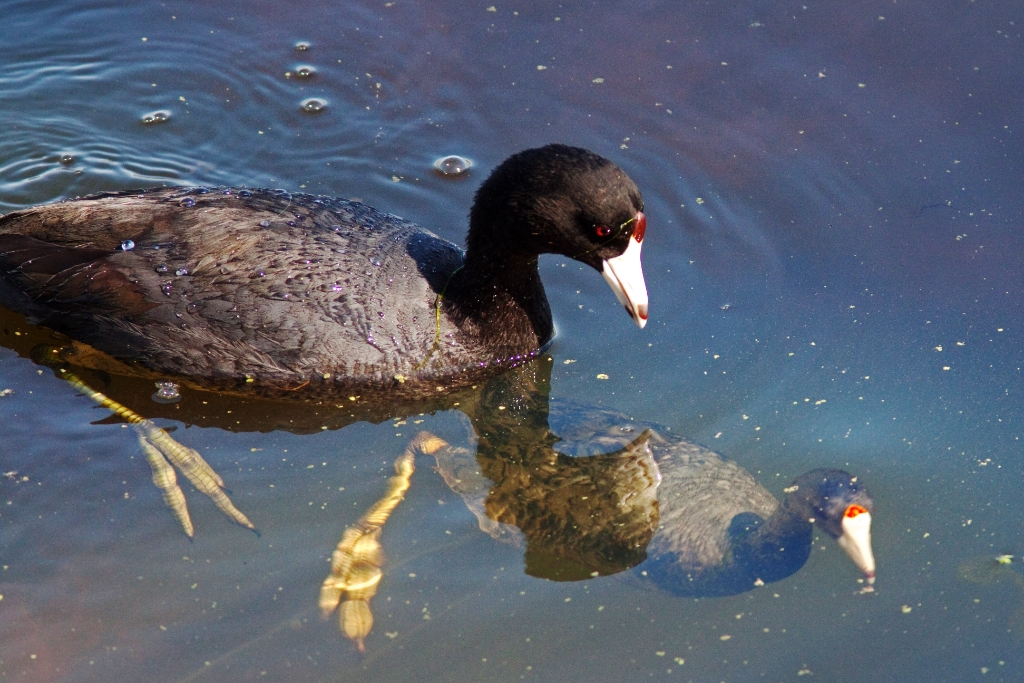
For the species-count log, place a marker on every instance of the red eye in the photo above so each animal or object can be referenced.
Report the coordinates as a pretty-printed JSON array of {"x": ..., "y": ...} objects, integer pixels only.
[{"x": 603, "y": 231}]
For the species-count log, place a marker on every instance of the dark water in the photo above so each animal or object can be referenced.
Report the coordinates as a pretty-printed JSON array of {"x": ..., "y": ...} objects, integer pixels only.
[{"x": 835, "y": 271}]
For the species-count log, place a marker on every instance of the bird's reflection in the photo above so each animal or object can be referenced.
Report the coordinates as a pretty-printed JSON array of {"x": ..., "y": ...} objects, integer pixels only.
[
  {"x": 134, "y": 387},
  {"x": 577, "y": 517},
  {"x": 602, "y": 493},
  {"x": 584, "y": 491}
]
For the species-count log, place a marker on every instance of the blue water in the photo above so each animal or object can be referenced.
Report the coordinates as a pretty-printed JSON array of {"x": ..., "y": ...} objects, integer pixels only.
[{"x": 834, "y": 264}]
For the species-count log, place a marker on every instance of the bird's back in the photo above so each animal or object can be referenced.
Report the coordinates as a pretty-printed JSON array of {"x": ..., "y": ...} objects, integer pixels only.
[
  {"x": 700, "y": 494},
  {"x": 232, "y": 285},
  {"x": 700, "y": 491}
]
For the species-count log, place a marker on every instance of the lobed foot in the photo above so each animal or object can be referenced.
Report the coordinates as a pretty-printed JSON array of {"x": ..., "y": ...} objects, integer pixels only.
[
  {"x": 162, "y": 451},
  {"x": 356, "y": 565}
]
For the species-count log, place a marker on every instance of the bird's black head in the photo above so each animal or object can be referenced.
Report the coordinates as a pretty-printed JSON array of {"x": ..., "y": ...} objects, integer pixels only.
[
  {"x": 564, "y": 200},
  {"x": 839, "y": 504},
  {"x": 831, "y": 494}
]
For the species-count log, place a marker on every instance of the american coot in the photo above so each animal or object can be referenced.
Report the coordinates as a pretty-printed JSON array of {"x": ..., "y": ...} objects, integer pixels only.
[
  {"x": 691, "y": 521},
  {"x": 682, "y": 517},
  {"x": 297, "y": 295}
]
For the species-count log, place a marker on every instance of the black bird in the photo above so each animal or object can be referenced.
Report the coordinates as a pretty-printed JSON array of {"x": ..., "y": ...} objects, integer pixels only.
[{"x": 263, "y": 291}]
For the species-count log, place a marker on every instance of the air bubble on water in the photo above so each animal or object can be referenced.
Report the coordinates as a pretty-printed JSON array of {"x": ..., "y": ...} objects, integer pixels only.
[
  {"x": 158, "y": 116},
  {"x": 452, "y": 165},
  {"x": 167, "y": 392},
  {"x": 302, "y": 46},
  {"x": 187, "y": 202},
  {"x": 313, "y": 105},
  {"x": 67, "y": 159},
  {"x": 305, "y": 71}
]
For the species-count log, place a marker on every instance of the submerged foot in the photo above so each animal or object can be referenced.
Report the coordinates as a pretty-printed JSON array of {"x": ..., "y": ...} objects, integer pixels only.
[
  {"x": 357, "y": 562},
  {"x": 162, "y": 451}
]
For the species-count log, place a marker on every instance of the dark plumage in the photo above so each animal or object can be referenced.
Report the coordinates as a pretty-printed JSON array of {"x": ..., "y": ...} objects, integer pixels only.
[
  {"x": 686, "y": 518},
  {"x": 266, "y": 291},
  {"x": 722, "y": 533}
]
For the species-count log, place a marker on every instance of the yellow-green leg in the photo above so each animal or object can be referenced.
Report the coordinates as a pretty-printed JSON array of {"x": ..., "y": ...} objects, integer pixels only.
[
  {"x": 162, "y": 451},
  {"x": 356, "y": 565}
]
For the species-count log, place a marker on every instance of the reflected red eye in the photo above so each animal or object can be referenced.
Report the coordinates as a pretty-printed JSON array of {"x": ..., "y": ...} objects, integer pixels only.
[
  {"x": 603, "y": 230},
  {"x": 641, "y": 226}
]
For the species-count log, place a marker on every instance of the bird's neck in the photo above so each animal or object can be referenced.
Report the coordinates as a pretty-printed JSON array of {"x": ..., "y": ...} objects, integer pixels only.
[
  {"x": 499, "y": 292},
  {"x": 778, "y": 546}
]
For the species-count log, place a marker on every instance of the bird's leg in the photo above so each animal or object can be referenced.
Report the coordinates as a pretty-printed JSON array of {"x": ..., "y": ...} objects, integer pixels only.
[
  {"x": 162, "y": 451},
  {"x": 165, "y": 480},
  {"x": 356, "y": 565},
  {"x": 194, "y": 467}
]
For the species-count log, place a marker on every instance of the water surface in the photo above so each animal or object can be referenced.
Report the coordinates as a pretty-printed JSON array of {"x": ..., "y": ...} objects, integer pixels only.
[{"x": 833, "y": 259}]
